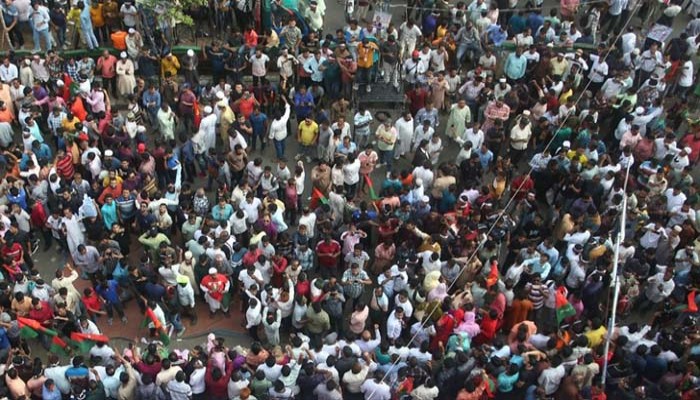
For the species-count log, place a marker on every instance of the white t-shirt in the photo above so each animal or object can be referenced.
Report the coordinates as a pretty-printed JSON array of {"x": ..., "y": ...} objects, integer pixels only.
[
  {"x": 410, "y": 34},
  {"x": 258, "y": 65},
  {"x": 686, "y": 78},
  {"x": 251, "y": 209},
  {"x": 351, "y": 172}
]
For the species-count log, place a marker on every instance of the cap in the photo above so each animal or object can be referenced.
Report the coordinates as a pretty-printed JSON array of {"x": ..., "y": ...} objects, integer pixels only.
[
  {"x": 122, "y": 54},
  {"x": 419, "y": 182},
  {"x": 678, "y": 229},
  {"x": 425, "y": 199},
  {"x": 60, "y": 83},
  {"x": 182, "y": 279},
  {"x": 190, "y": 53},
  {"x": 502, "y": 80},
  {"x": 579, "y": 52},
  {"x": 132, "y": 31},
  {"x": 208, "y": 110},
  {"x": 212, "y": 271},
  {"x": 526, "y": 113},
  {"x": 188, "y": 255},
  {"x": 5, "y": 317},
  {"x": 141, "y": 148},
  {"x": 639, "y": 110},
  {"x": 566, "y": 144},
  {"x": 220, "y": 95},
  {"x": 141, "y": 129},
  {"x": 415, "y": 53},
  {"x": 636, "y": 52},
  {"x": 109, "y": 153},
  {"x": 687, "y": 150}
]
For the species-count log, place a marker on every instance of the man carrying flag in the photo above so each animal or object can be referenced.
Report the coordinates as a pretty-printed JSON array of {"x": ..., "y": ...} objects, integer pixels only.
[{"x": 216, "y": 286}]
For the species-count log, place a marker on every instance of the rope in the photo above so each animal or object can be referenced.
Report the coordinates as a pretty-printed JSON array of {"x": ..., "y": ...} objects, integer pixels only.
[
  {"x": 504, "y": 9},
  {"x": 517, "y": 191}
]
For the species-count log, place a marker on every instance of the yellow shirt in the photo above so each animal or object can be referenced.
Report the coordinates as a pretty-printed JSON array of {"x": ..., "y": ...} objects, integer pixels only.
[
  {"x": 565, "y": 96},
  {"x": 308, "y": 133},
  {"x": 595, "y": 337},
  {"x": 559, "y": 67},
  {"x": 365, "y": 55},
  {"x": 97, "y": 16},
  {"x": 169, "y": 64}
]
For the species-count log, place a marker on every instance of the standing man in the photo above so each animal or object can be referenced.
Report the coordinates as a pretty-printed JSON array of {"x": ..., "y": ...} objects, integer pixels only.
[
  {"x": 39, "y": 18},
  {"x": 216, "y": 288},
  {"x": 365, "y": 61},
  {"x": 386, "y": 141}
]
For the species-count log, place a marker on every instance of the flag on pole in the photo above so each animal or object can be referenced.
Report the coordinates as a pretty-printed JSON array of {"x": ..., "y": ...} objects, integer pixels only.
[
  {"x": 564, "y": 309},
  {"x": 370, "y": 184},
  {"x": 320, "y": 196},
  {"x": 158, "y": 326}
]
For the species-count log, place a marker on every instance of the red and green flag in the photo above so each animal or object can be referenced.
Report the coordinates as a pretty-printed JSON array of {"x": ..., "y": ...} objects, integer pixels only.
[
  {"x": 84, "y": 341},
  {"x": 692, "y": 305},
  {"x": 321, "y": 197},
  {"x": 158, "y": 326},
  {"x": 31, "y": 328},
  {"x": 59, "y": 346},
  {"x": 492, "y": 279},
  {"x": 370, "y": 185},
  {"x": 564, "y": 309}
]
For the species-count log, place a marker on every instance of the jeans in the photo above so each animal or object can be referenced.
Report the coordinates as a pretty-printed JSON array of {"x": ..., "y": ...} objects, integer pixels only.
[
  {"x": 36, "y": 35},
  {"x": 363, "y": 75},
  {"x": 463, "y": 48},
  {"x": 111, "y": 307},
  {"x": 254, "y": 140},
  {"x": 16, "y": 37},
  {"x": 386, "y": 157},
  {"x": 90, "y": 39},
  {"x": 61, "y": 35},
  {"x": 350, "y": 190},
  {"x": 279, "y": 148},
  {"x": 177, "y": 322}
]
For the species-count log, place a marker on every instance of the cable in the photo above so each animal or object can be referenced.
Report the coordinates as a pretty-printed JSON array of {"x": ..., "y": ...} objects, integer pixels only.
[
  {"x": 504, "y": 10},
  {"x": 517, "y": 191}
]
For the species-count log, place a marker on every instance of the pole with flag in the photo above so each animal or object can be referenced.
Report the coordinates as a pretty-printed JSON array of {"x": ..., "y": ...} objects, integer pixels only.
[{"x": 158, "y": 326}]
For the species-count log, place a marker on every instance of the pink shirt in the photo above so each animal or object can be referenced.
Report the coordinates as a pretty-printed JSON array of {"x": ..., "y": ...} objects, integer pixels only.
[{"x": 107, "y": 66}]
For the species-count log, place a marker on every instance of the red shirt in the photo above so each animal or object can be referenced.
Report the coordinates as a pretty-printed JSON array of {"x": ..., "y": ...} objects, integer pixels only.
[
  {"x": 690, "y": 141},
  {"x": 218, "y": 389},
  {"x": 38, "y": 216},
  {"x": 328, "y": 253},
  {"x": 14, "y": 252},
  {"x": 245, "y": 106},
  {"x": 251, "y": 38},
  {"x": 44, "y": 315},
  {"x": 92, "y": 302},
  {"x": 64, "y": 167}
]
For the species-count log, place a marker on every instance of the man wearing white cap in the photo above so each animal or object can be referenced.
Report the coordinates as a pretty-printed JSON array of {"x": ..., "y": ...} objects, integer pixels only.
[
  {"x": 681, "y": 160},
  {"x": 208, "y": 128},
  {"x": 126, "y": 82},
  {"x": 134, "y": 43},
  {"x": 216, "y": 291},
  {"x": 189, "y": 63}
]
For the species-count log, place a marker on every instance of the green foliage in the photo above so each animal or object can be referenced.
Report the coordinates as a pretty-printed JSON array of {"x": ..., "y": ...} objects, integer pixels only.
[{"x": 174, "y": 11}]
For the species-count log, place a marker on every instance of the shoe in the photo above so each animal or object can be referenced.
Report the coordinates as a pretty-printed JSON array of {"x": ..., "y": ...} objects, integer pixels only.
[
  {"x": 379, "y": 165},
  {"x": 109, "y": 321},
  {"x": 182, "y": 332},
  {"x": 369, "y": 89},
  {"x": 124, "y": 320},
  {"x": 227, "y": 314},
  {"x": 388, "y": 175}
]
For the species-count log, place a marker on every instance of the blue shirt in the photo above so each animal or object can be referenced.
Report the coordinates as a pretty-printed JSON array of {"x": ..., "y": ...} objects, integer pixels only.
[
  {"x": 303, "y": 103},
  {"x": 20, "y": 199},
  {"x": 109, "y": 214},
  {"x": 257, "y": 122},
  {"x": 496, "y": 35},
  {"x": 109, "y": 293},
  {"x": 515, "y": 66},
  {"x": 47, "y": 394},
  {"x": 4, "y": 341},
  {"x": 485, "y": 158}
]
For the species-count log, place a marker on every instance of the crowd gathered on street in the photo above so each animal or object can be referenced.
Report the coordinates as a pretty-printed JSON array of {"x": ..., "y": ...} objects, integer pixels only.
[{"x": 472, "y": 244}]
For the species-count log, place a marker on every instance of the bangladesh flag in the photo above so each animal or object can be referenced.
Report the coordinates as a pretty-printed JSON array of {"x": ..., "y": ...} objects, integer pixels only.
[
  {"x": 321, "y": 197},
  {"x": 564, "y": 309},
  {"x": 158, "y": 326},
  {"x": 83, "y": 342},
  {"x": 59, "y": 347},
  {"x": 370, "y": 185},
  {"x": 31, "y": 328}
]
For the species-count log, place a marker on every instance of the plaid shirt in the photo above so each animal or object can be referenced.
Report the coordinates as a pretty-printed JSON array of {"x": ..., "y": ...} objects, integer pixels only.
[
  {"x": 354, "y": 288},
  {"x": 306, "y": 259},
  {"x": 72, "y": 71},
  {"x": 55, "y": 122}
]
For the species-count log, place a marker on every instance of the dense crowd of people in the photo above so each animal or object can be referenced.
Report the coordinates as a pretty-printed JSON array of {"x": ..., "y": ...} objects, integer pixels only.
[{"x": 462, "y": 248}]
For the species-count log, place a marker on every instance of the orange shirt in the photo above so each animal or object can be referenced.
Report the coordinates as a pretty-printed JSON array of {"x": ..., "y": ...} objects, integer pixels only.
[
  {"x": 365, "y": 55},
  {"x": 97, "y": 16}
]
